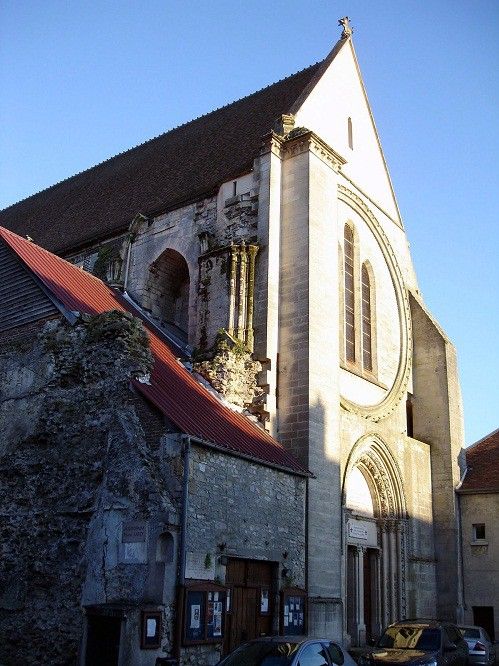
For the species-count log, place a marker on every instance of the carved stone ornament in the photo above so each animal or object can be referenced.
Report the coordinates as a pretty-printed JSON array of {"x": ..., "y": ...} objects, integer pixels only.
[
  {"x": 347, "y": 28},
  {"x": 381, "y": 471},
  {"x": 399, "y": 387},
  {"x": 301, "y": 140}
]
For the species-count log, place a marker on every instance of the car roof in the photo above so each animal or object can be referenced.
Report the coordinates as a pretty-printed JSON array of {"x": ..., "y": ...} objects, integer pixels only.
[
  {"x": 292, "y": 639},
  {"x": 418, "y": 623}
]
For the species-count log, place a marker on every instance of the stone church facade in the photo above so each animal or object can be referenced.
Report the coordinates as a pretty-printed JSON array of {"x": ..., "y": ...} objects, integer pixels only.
[{"x": 265, "y": 241}]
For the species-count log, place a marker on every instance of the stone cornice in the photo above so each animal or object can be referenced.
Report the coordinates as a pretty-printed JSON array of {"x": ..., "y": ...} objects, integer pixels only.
[
  {"x": 272, "y": 143},
  {"x": 298, "y": 142}
]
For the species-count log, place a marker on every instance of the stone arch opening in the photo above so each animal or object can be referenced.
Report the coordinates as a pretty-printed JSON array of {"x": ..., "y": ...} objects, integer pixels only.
[
  {"x": 167, "y": 290},
  {"x": 165, "y": 548},
  {"x": 374, "y": 511}
]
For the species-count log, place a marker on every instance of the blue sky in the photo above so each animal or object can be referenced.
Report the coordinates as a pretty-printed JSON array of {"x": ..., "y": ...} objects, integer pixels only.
[{"x": 82, "y": 81}]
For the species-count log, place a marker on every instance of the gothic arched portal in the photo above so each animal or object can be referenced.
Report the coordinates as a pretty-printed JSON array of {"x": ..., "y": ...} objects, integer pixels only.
[{"x": 374, "y": 511}]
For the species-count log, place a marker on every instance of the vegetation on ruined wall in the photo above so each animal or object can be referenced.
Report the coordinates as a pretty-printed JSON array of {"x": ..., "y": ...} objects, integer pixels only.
[
  {"x": 73, "y": 432},
  {"x": 231, "y": 370}
]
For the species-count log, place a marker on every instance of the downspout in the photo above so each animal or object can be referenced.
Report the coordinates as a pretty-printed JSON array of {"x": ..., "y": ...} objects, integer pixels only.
[
  {"x": 179, "y": 614},
  {"x": 132, "y": 234},
  {"x": 306, "y": 551},
  {"x": 131, "y": 238},
  {"x": 461, "y": 601},
  {"x": 185, "y": 498}
]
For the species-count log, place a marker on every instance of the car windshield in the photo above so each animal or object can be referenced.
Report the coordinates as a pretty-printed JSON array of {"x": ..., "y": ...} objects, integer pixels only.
[
  {"x": 263, "y": 654},
  {"x": 410, "y": 638},
  {"x": 469, "y": 632}
]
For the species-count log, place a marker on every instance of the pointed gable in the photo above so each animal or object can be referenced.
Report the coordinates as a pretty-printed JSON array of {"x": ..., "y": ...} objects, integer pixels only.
[{"x": 336, "y": 94}]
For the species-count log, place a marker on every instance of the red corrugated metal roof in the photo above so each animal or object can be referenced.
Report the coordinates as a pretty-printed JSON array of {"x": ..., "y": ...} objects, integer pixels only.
[
  {"x": 172, "y": 388},
  {"x": 482, "y": 466}
]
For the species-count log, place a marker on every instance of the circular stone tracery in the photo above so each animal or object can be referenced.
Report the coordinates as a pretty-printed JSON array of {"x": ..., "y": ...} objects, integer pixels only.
[{"x": 399, "y": 386}]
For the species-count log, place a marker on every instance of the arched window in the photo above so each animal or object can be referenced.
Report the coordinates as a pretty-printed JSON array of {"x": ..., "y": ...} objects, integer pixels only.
[
  {"x": 168, "y": 291},
  {"x": 350, "y": 133},
  {"x": 349, "y": 295},
  {"x": 367, "y": 356}
]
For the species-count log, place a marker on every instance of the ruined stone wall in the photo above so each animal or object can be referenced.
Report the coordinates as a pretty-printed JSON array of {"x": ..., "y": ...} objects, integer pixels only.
[{"x": 73, "y": 457}]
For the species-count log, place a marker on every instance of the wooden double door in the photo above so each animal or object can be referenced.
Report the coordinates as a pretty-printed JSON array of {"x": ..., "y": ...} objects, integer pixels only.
[{"x": 253, "y": 585}]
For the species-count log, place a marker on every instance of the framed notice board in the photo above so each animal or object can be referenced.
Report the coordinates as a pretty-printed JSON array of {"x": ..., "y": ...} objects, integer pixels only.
[
  {"x": 293, "y": 612},
  {"x": 204, "y": 614},
  {"x": 150, "y": 632}
]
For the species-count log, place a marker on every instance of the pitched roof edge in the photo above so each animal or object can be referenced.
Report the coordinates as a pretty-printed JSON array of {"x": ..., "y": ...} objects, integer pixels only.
[
  {"x": 154, "y": 138},
  {"x": 472, "y": 446},
  {"x": 324, "y": 64},
  {"x": 20, "y": 246},
  {"x": 364, "y": 91},
  {"x": 477, "y": 491},
  {"x": 253, "y": 459}
]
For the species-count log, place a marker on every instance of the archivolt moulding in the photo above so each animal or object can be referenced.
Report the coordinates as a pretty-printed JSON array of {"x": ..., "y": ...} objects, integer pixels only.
[{"x": 381, "y": 471}]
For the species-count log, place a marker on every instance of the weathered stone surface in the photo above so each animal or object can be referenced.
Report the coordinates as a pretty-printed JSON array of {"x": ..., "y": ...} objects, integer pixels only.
[
  {"x": 75, "y": 447},
  {"x": 232, "y": 371}
]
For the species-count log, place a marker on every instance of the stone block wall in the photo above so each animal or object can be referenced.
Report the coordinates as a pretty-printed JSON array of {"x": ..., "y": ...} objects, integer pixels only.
[
  {"x": 438, "y": 421},
  {"x": 480, "y": 557},
  {"x": 256, "y": 511}
]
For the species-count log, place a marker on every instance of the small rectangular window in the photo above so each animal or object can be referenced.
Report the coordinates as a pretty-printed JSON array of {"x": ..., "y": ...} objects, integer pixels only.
[
  {"x": 478, "y": 531},
  {"x": 409, "y": 415}
]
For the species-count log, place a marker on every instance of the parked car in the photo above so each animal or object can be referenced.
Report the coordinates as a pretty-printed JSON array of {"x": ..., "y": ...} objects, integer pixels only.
[
  {"x": 482, "y": 650},
  {"x": 288, "y": 651},
  {"x": 418, "y": 642}
]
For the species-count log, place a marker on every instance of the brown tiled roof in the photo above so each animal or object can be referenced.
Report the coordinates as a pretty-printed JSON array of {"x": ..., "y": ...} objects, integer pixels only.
[
  {"x": 173, "y": 169},
  {"x": 482, "y": 466},
  {"x": 172, "y": 389}
]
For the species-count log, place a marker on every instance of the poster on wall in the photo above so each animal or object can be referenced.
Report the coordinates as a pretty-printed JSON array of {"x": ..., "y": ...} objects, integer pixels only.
[
  {"x": 194, "y": 618},
  {"x": 150, "y": 629},
  {"x": 264, "y": 601}
]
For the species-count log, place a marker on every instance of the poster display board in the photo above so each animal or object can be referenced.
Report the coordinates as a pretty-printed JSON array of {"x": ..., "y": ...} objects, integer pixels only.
[
  {"x": 150, "y": 633},
  {"x": 293, "y": 614},
  {"x": 204, "y": 615}
]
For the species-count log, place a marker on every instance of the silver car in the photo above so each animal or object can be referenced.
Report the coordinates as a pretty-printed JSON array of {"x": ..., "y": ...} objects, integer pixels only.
[
  {"x": 482, "y": 650},
  {"x": 288, "y": 651}
]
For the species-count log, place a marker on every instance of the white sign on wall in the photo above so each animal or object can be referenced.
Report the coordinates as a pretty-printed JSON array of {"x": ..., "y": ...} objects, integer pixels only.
[{"x": 357, "y": 531}]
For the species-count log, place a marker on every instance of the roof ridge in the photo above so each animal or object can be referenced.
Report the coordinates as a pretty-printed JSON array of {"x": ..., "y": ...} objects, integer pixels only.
[
  {"x": 158, "y": 136},
  {"x": 472, "y": 446}
]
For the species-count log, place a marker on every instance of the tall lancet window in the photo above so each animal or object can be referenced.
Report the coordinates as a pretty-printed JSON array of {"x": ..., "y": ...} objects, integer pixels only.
[
  {"x": 349, "y": 295},
  {"x": 367, "y": 356},
  {"x": 350, "y": 133}
]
